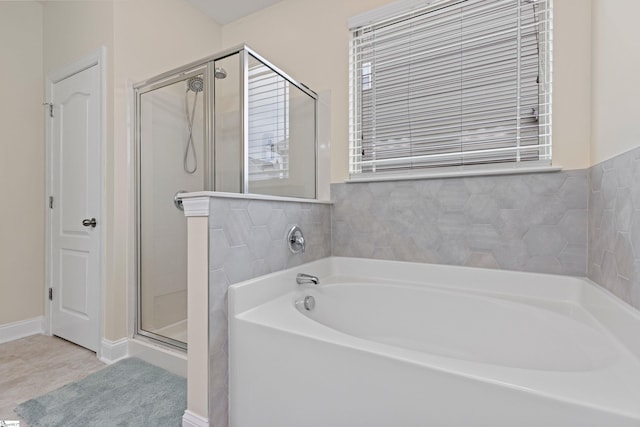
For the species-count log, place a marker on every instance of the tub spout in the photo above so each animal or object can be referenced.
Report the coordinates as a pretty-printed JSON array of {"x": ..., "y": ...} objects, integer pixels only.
[{"x": 302, "y": 278}]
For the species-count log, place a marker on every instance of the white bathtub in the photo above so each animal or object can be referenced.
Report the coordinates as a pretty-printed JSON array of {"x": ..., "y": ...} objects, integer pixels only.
[{"x": 404, "y": 344}]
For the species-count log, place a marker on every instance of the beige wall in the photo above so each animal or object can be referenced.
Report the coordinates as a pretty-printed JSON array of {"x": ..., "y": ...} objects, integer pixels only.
[
  {"x": 571, "y": 83},
  {"x": 616, "y": 68},
  {"x": 73, "y": 29},
  {"x": 310, "y": 40},
  {"x": 21, "y": 162}
]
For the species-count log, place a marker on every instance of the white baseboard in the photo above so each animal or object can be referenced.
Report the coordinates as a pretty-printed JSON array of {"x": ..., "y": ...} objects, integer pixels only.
[
  {"x": 21, "y": 329},
  {"x": 189, "y": 419},
  {"x": 112, "y": 351}
]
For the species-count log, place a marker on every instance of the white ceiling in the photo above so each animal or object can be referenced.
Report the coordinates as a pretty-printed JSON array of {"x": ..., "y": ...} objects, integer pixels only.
[{"x": 225, "y": 11}]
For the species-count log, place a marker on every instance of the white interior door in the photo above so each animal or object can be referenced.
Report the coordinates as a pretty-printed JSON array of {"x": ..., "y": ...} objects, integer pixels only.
[{"x": 76, "y": 208}]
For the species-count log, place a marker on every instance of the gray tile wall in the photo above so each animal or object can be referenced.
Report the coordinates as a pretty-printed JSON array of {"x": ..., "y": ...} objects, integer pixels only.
[
  {"x": 246, "y": 240},
  {"x": 614, "y": 226},
  {"x": 528, "y": 222}
]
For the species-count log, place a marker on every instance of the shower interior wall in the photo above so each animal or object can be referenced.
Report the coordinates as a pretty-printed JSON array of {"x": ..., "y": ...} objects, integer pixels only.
[
  {"x": 164, "y": 134},
  {"x": 228, "y": 126}
]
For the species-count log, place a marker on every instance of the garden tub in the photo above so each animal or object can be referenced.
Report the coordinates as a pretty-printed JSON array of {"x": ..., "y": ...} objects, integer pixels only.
[{"x": 406, "y": 344}]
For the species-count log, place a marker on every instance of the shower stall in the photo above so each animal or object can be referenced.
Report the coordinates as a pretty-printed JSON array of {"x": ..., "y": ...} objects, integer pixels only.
[{"x": 231, "y": 122}]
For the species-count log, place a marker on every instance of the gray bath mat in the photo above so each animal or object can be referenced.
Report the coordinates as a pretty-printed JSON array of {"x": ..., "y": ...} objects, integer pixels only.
[{"x": 128, "y": 393}]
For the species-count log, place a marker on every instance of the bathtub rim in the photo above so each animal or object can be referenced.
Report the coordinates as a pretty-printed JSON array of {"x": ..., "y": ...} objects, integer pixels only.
[{"x": 619, "y": 318}]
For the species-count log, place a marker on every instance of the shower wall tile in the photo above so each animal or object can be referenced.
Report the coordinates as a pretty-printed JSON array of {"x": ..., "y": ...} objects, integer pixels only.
[
  {"x": 614, "y": 226},
  {"x": 247, "y": 239},
  {"x": 528, "y": 222}
]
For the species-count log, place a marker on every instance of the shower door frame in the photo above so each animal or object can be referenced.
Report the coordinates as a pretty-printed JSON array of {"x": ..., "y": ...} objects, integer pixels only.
[
  {"x": 140, "y": 90},
  {"x": 205, "y": 67}
]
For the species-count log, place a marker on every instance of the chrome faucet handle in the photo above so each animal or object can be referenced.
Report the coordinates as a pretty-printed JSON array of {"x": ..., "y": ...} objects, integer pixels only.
[{"x": 296, "y": 240}]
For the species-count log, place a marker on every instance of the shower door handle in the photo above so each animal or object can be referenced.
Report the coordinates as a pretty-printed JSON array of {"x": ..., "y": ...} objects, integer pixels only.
[{"x": 89, "y": 222}]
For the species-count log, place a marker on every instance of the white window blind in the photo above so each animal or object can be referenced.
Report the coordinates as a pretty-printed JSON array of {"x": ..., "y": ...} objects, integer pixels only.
[
  {"x": 452, "y": 83},
  {"x": 268, "y": 123}
]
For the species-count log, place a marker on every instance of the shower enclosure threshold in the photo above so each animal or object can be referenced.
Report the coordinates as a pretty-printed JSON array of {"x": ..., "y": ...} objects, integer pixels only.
[
  {"x": 176, "y": 331},
  {"x": 171, "y": 359}
]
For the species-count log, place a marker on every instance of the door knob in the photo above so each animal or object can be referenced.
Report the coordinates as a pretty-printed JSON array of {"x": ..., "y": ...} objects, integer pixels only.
[{"x": 89, "y": 222}]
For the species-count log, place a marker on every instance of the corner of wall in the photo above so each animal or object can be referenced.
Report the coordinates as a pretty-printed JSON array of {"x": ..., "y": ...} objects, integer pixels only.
[
  {"x": 615, "y": 128},
  {"x": 572, "y": 83},
  {"x": 21, "y": 329},
  {"x": 614, "y": 226}
]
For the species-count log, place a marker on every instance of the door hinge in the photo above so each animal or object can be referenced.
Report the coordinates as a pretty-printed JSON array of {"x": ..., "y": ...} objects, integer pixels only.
[
  {"x": 50, "y": 202},
  {"x": 50, "y": 294},
  {"x": 50, "y": 105}
]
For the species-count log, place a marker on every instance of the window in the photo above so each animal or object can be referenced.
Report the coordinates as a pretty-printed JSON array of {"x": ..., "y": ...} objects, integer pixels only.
[{"x": 455, "y": 83}]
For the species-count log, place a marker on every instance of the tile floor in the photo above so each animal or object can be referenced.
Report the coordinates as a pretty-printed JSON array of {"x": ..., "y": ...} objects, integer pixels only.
[{"x": 36, "y": 365}]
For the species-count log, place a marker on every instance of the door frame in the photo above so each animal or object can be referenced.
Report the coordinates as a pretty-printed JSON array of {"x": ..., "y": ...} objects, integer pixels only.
[{"x": 95, "y": 58}]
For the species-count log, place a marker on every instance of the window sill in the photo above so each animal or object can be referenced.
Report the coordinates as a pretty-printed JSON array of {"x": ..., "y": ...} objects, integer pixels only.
[
  {"x": 250, "y": 196},
  {"x": 454, "y": 172}
]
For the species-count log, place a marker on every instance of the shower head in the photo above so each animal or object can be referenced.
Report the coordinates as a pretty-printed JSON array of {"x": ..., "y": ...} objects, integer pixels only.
[
  {"x": 220, "y": 73},
  {"x": 195, "y": 84}
]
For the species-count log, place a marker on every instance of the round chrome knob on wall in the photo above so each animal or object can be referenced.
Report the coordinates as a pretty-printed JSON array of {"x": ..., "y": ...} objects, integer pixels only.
[{"x": 295, "y": 239}]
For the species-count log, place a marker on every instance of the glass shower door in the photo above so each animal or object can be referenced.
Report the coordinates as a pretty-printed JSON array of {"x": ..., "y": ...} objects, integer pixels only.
[{"x": 171, "y": 159}]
